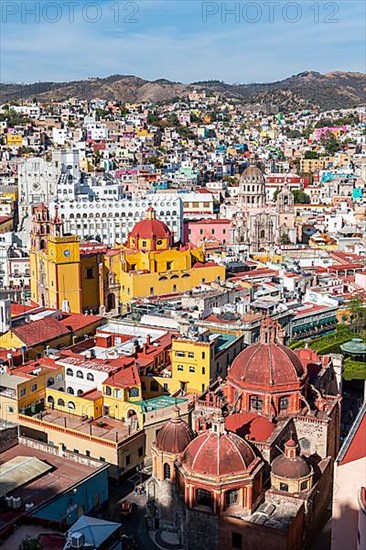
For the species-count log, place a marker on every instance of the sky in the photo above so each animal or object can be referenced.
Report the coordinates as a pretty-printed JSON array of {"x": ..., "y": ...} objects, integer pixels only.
[{"x": 186, "y": 40}]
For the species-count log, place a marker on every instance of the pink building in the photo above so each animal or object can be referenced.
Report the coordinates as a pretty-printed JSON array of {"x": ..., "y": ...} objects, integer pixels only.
[
  {"x": 349, "y": 502},
  {"x": 206, "y": 230}
]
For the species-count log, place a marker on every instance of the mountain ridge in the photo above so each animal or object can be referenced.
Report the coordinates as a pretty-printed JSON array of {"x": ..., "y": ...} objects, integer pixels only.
[{"x": 332, "y": 90}]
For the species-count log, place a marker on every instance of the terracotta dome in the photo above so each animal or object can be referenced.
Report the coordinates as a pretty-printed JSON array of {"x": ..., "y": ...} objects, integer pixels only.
[
  {"x": 266, "y": 365},
  {"x": 174, "y": 436},
  {"x": 151, "y": 228},
  {"x": 252, "y": 172},
  {"x": 215, "y": 454},
  {"x": 290, "y": 468}
]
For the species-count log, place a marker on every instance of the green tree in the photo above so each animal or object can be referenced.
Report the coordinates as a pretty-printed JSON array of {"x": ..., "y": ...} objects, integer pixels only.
[
  {"x": 357, "y": 309},
  {"x": 330, "y": 143},
  {"x": 311, "y": 155}
]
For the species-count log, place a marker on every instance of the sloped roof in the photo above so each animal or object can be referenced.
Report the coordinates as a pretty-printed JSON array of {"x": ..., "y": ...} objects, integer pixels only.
[
  {"x": 42, "y": 330},
  {"x": 20, "y": 470},
  {"x": 96, "y": 531}
]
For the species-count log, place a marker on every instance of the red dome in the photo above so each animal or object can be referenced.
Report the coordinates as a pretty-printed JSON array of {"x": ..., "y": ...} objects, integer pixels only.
[
  {"x": 250, "y": 425},
  {"x": 266, "y": 365},
  {"x": 151, "y": 229},
  {"x": 174, "y": 436},
  {"x": 290, "y": 468},
  {"x": 218, "y": 455}
]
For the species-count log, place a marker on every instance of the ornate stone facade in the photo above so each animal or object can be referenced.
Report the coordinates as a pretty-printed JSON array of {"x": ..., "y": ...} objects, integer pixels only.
[{"x": 256, "y": 224}]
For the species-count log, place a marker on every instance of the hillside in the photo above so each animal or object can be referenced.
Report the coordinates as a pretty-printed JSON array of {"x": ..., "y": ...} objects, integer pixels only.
[{"x": 327, "y": 91}]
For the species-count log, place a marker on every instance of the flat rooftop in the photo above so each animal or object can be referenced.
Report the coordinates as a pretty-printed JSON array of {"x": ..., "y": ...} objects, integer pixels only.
[{"x": 105, "y": 428}]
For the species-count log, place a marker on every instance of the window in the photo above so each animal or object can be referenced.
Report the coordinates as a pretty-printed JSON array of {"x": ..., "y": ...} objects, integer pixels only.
[
  {"x": 133, "y": 392},
  {"x": 128, "y": 460},
  {"x": 69, "y": 372},
  {"x": 166, "y": 387},
  {"x": 203, "y": 355},
  {"x": 304, "y": 485},
  {"x": 108, "y": 390},
  {"x": 203, "y": 370},
  {"x": 236, "y": 540},
  {"x": 283, "y": 487},
  {"x": 10, "y": 409},
  {"x": 180, "y": 354},
  {"x": 90, "y": 377},
  {"x": 102, "y": 459},
  {"x": 151, "y": 290},
  {"x": 283, "y": 403},
  {"x": 70, "y": 390},
  {"x": 192, "y": 369},
  {"x": 204, "y": 498},
  {"x": 154, "y": 386},
  {"x": 231, "y": 498},
  {"x": 140, "y": 452},
  {"x": 166, "y": 471},
  {"x": 87, "y": 453},
  {"x": 60, "y": 402},
  {"x": 71, "y": 405},
  {"x": 180, "y": 367},
  {"x": 34, "y": 387},
  {"x": 79, "y": 374},
  {"x": 80, "y": 392},
  {"x": 144, "y": 244},
  {"x": 256, "y": 403},
  {"x": 117, "y": 393},
  {"x": 50, "y": 381},
  {"x": 191, "y": 355},
  {"x": 50, "y": 399},
  {"x": 23, "y": 392},
  {"x": 89, "y": 273}
]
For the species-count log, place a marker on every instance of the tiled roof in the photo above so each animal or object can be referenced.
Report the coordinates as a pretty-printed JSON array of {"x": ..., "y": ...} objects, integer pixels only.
[{"x": 40, "y": 331}]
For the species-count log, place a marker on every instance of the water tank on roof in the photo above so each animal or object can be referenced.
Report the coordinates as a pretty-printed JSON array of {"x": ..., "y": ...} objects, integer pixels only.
[
  {"x": 77, "y": 540},
  {"x": 17, "y": 502}
]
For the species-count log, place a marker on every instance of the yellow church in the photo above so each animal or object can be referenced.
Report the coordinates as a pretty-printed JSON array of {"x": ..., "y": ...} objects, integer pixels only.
[{"x": 67, "y": 275}]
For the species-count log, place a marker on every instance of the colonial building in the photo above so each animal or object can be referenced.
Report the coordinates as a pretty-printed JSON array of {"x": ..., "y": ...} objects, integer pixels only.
[
  {"x": 77, "y": 277},
  {"x": 256, "y": 224},
  {"x": 258, "y": 468}
]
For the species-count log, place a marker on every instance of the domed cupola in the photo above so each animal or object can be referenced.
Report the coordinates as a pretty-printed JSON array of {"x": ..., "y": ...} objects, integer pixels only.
[
  {"x": 267, "y": 377},
  {"x": 150, "y": 234},
  {"x": 171, "y": 441},
  {"x": 290, "y": 471},
  {"x": 252, "y": 189}
]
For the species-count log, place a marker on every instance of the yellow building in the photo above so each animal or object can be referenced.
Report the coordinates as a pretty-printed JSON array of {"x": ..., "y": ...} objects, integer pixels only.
[
  {"x": 148, "y": 265},
  {"x": 14, "y": 140},
  {"x": 197, "y": 360},
  {"x": 54, "y": 264}
]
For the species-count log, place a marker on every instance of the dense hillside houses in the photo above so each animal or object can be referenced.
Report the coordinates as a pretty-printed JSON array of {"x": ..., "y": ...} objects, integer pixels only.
[{"x": 182, "y": 321}]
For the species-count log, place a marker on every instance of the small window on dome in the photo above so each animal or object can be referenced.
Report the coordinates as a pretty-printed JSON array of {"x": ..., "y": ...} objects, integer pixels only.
[
  {"x": 256, "y": 403},
  {"x": 304, "y": 485},
  {"x": 166, "y": 471},
  {"x": 283, "y": 403},
  {"x": 283, "y": 487}
]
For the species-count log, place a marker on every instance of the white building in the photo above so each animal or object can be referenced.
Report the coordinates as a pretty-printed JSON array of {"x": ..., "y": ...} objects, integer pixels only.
[
  {"x": 96, "y": 131},
  {"x": 112, "y": 218}
]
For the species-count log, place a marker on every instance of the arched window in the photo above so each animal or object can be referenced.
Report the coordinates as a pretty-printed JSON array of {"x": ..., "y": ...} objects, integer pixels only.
[
  {"x": 283, "y": 403},
  {"x": 262, "y": 234},
  {"x": 108, "y": 390},
  {"x": 70, "y": 390},
  {"x": 60, "y": 402},
  {"x": 204, "y": 498},
  {"x": 50, "y": 399},
  {"x": 69, "y": 372},
  {"x": 90, "y": 377},
  {"x": 50, "y": 381},
  {"x": 133, "y": 392},
  {"x": 166, "y": 471},
  {"x": 79, "y": 374},
  {"x": 283, "y": 487},
  {"x": 80, "y": 392},
  {"x": 59, "y": 377},
  {"x": 256, "y": 403},
  {"x": 71, "y": 405}
]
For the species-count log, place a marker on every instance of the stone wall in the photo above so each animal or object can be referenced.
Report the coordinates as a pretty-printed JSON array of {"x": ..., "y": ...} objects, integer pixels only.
[
  {"x": 201, "y": 531},
  {"x": 8, "y": 435},
  {"x": 312, "y": 435}
]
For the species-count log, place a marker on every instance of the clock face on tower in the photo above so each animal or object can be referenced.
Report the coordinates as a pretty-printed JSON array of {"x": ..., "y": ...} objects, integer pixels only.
[{"x": 67, "y": 253}]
